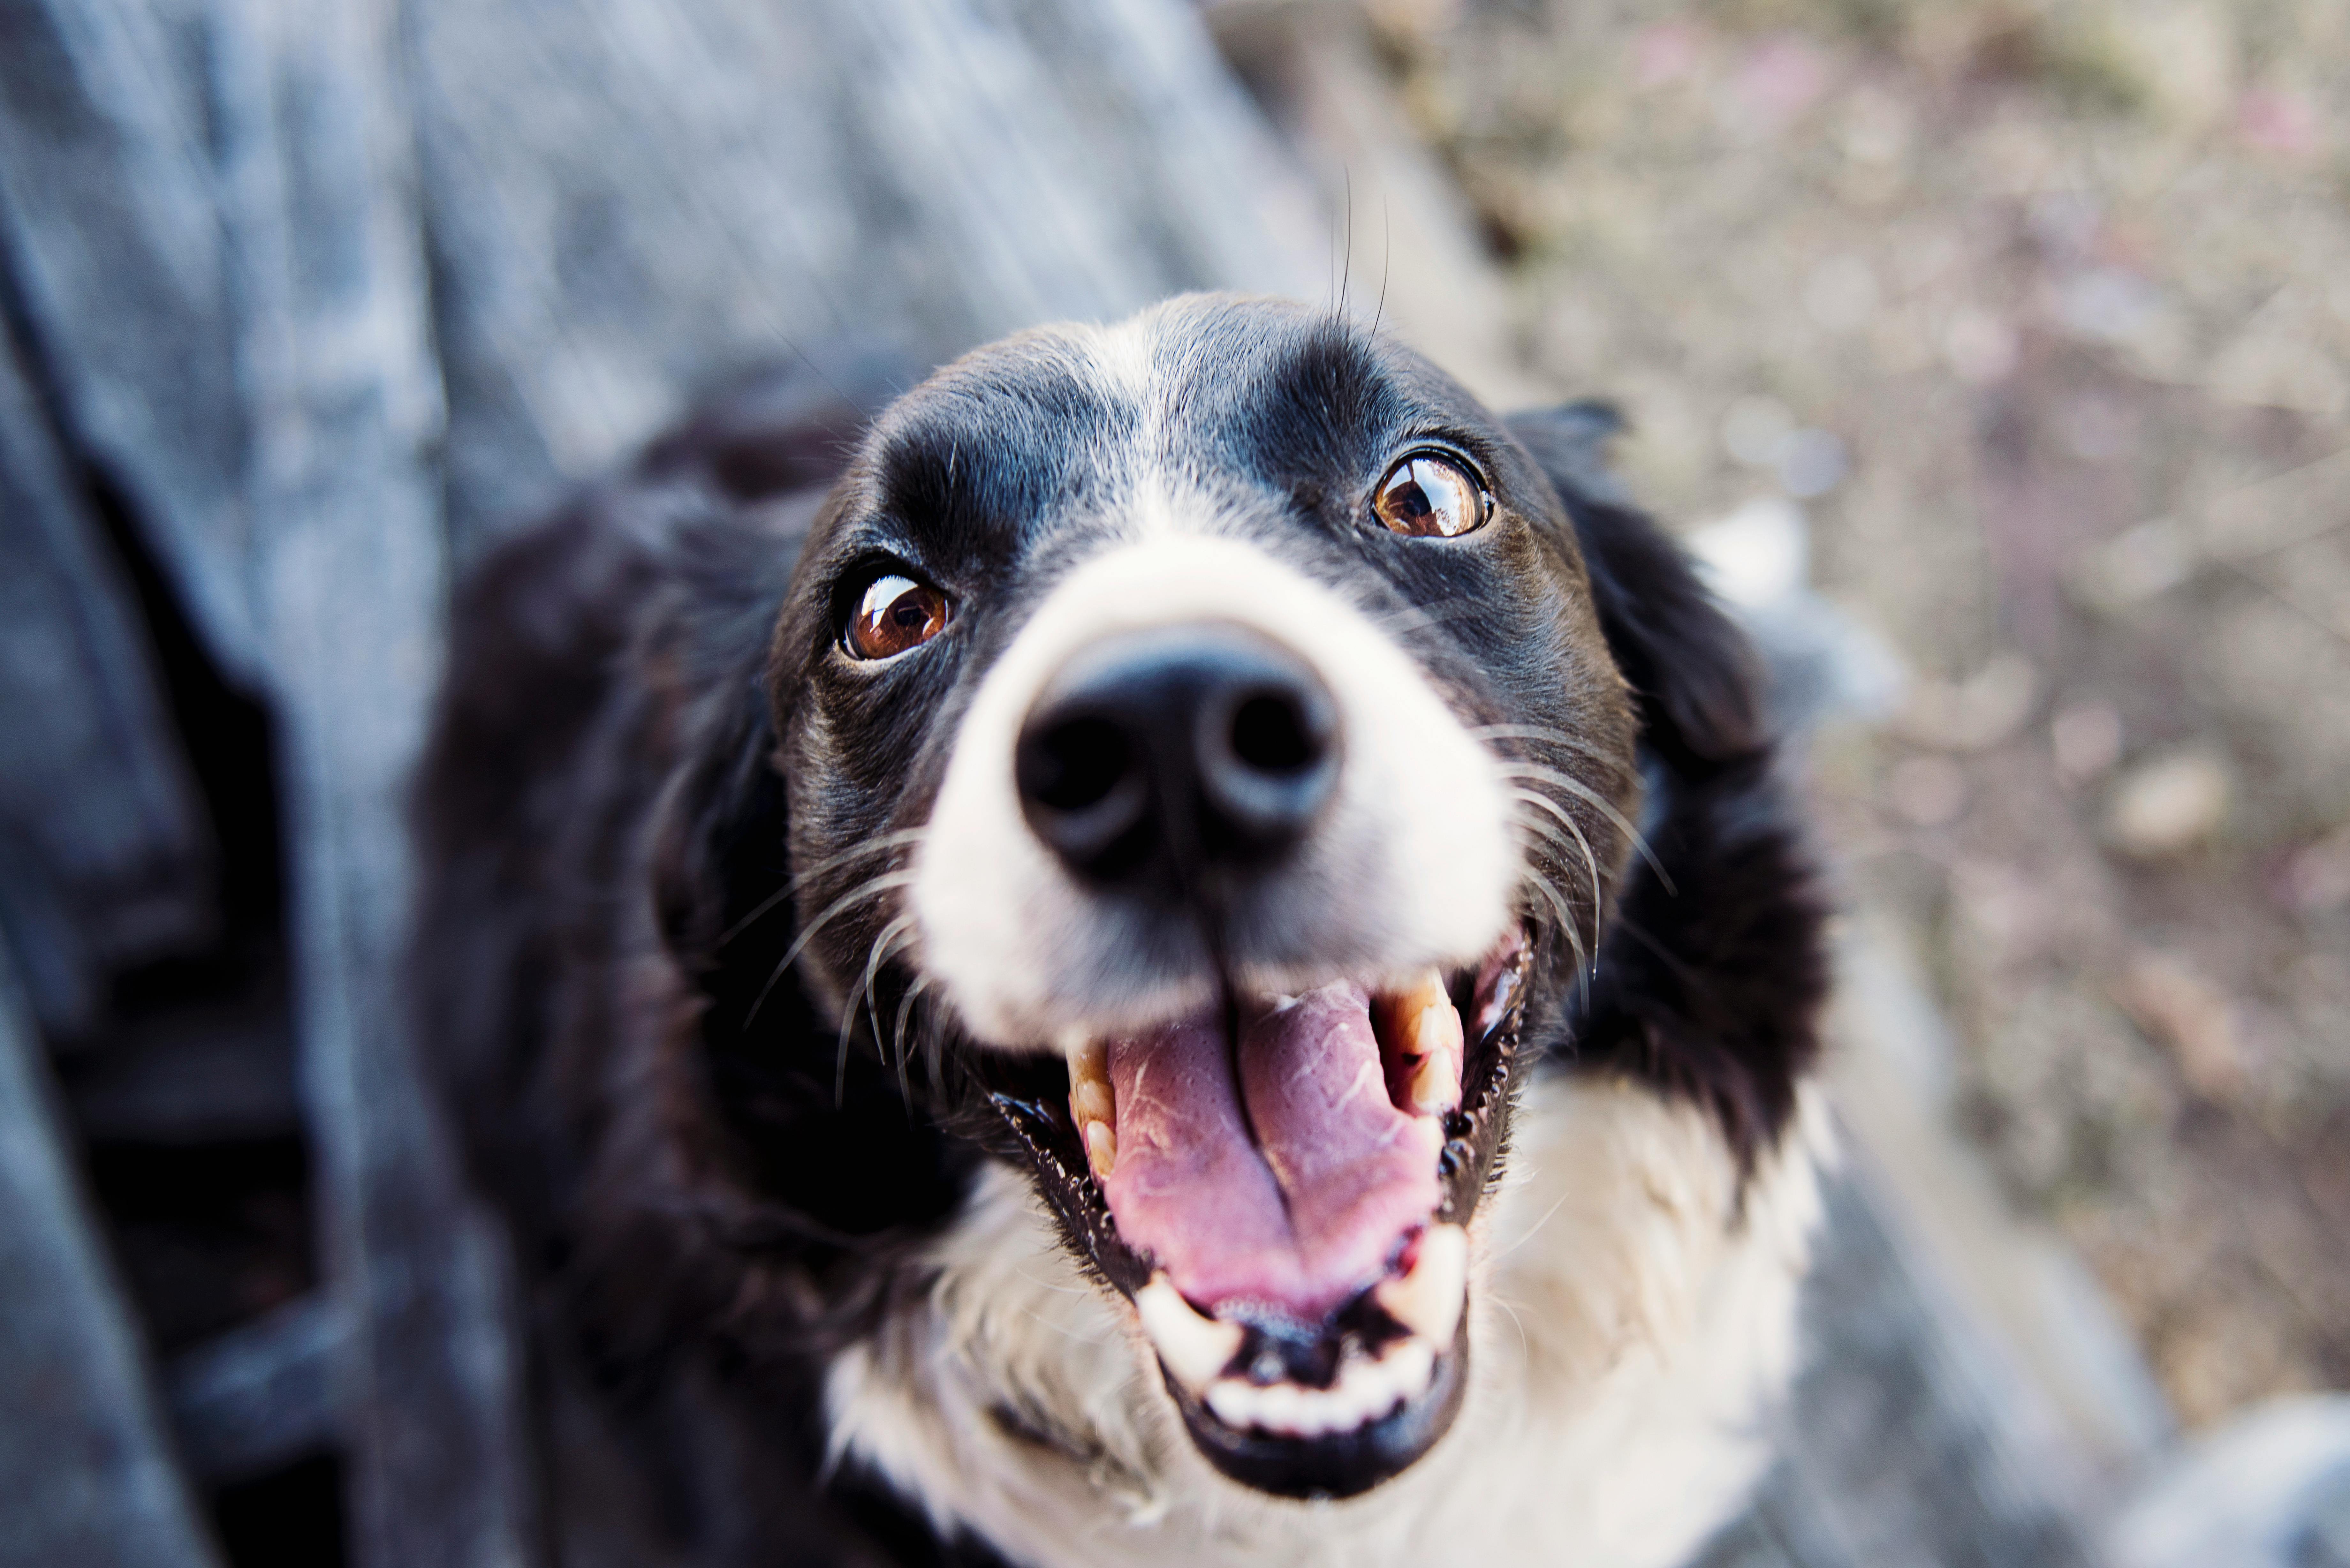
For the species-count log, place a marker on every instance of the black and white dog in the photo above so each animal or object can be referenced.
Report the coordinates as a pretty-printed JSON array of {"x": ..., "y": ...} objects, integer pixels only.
[{"x": 1189, "y": 954}]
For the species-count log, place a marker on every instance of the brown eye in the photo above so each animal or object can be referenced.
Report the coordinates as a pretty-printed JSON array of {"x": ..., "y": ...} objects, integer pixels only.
[
  {"x": 896, "y": 616},
  {"x": 1427, "y": 496}
]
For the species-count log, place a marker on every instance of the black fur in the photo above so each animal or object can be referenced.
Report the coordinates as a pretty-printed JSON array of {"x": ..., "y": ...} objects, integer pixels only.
[
  {"x": 1710, "y": 983},
  {"x": 709, "y": 1199}
]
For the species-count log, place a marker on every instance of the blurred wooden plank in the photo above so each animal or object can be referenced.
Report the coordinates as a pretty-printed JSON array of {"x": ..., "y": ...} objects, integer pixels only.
[
  {"x": 627, "y": 198},
  {"x": 116, "y": 246},
  {"x": 87, "y": 1478},
  {"x": 263, "y": 1395},
  {"x": 349, "y": 560},
  {"x": 1899, "y": 1447},
  {"x": 242, "y": 345},
  {"x": 104, "y": 846},
  {"x": 215, "y": 1071}
]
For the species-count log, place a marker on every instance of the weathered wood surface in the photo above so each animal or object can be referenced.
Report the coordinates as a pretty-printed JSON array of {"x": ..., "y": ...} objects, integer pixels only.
[
  {"x": 115, "y": 244},
  {"x": 350, "y": 563},
  {"x": 263, "y": 1395},
  {"x": 104, "y": 848},
  {"x": 220, "y": 1073},
  {"x": 86, "y": 1477},
  {"x": 1899, "y": 1447},
  {"x": 235, "y": 326},
  {"x": 625, "y": 199}
]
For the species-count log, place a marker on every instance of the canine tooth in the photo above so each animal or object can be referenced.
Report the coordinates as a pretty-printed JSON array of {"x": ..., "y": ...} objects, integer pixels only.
[
  {"x": 1428, "y": 1299},
  {"x": 1092, "y": 1104},
  {"x": 1435, "y": 1023},
  {"x": 1430, "y": 1092},
  {"x": 1412, "y": 1367},
  {"x": 1195, "y": 1348},
  {"x": 1088, "y": 1062},
  {"x": 1423, "y": 1028}
]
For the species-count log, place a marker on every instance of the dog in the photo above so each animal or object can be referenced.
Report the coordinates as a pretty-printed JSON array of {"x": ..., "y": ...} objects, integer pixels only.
[{"x": 1184, "y": 948}]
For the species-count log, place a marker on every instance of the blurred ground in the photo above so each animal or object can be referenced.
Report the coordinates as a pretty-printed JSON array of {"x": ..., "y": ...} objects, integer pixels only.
[{"x": 2040, "y": 311}]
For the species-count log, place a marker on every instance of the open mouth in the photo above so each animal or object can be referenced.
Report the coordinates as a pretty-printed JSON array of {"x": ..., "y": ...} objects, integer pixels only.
[{"x": 1288, "y": 1209}]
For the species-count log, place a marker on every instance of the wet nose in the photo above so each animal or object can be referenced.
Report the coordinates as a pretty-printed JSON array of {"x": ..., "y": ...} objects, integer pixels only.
[{"x": 1153, "y": 756}]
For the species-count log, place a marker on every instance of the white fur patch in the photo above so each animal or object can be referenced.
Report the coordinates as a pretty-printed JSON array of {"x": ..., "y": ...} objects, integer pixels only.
[
  {"x": 1629, "y": 1329},
  {"x": 1411, "y": 866}
]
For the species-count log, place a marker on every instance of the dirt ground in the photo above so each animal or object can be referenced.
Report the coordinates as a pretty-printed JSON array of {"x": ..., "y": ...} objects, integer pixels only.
[{"x": 2040, "y": 311}]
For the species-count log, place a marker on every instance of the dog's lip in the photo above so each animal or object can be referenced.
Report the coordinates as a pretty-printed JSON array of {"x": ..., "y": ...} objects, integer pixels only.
[
  {"x": 1341, "y": 1434},
  {"x": 1339, "y": 1463}
]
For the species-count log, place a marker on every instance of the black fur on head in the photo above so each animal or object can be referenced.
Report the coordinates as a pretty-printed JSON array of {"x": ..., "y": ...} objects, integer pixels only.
[{"x": 652, "y": 771}]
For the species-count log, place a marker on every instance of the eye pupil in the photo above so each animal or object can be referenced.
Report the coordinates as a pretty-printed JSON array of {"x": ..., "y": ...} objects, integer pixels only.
[{"x": 894, "y": 616}]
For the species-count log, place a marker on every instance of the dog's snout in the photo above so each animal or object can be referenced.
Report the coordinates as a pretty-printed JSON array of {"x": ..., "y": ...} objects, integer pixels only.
[{"x": 1155, "y": 753}]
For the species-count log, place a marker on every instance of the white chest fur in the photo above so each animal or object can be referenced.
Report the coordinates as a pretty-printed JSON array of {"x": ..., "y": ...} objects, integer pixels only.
[{"x": 1631, "y": 1327}]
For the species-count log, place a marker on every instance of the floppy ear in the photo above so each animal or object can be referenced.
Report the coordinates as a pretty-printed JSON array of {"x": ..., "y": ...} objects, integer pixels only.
[
  {"x": 1691, "y": 669},
  {"x": 1710, "y": 979}
]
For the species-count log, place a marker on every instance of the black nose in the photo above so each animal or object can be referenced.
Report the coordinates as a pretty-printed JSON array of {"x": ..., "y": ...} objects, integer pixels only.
[{"x": 1156, "y": 755}]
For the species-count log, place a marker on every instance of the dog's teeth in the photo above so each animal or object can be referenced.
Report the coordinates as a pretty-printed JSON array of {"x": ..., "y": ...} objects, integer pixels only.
[
  {"x": 1423, "y": 1029},
  {"x": 1430, "y": 1092},
  {"x": 1411, "y": 1367},
  {"x": 1195, "y": 1348},
  {"x": 1367, "y": 1388},
  {"x": 1428, "y": 1299},
  {"x": 1091, "y": 1104}
]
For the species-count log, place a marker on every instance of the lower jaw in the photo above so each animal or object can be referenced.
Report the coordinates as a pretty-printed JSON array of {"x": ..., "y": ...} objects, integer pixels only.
[{"x": 1335, "y": 1465}]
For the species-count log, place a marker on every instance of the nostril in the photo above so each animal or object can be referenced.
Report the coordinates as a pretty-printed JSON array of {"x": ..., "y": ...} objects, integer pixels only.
[
  {"x": 1081, "y": 777},
  {"x": 1267, "y": 763},
  {"x": 1273, "y": 734},
  {"x": 1075, "y": 764},
  {"x": 1153, "y": 756}
]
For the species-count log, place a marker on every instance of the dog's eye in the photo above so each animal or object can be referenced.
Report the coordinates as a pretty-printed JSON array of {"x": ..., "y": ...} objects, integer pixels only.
[
  {"x": 896, "y": 616},
  {"x": 1430, "y": 496}
]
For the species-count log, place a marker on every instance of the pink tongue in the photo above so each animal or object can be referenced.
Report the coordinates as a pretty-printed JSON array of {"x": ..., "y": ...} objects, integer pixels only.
[{"x": 1303, "y": 1222}]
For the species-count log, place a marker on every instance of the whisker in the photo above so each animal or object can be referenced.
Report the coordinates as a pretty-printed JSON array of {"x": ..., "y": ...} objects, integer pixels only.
[
  {"x": 885, "y": 942},
  {"x": 898, "y": 1036},
  {"x": 873, "y": 887},
  {"x": 1549, "y": 736},
  {"x": 1424, "y": 618},
  {"x": 1568, "y": 922},
  {"x": 1584, "y": 792},
  {"x": 1049, "y": 1285},
  {"x": 1526, "y": 1349},
  {"x": 1590, "y": 861},
  {"x": 1043, "y": 1321},
  {"x": 934, "y": 1056},
  {"x": 830, "y": 862},
  {"x": 1535, "y": 1228}
]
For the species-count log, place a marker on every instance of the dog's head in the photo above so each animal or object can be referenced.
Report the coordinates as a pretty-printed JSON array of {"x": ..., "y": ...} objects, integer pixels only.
[{"x": 1206, "y": 767}]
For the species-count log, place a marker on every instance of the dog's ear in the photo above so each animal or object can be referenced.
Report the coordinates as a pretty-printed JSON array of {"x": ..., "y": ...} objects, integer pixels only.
[
  {"x": 1709, "y": 983},
  {"x": 1691, "y": 668}
]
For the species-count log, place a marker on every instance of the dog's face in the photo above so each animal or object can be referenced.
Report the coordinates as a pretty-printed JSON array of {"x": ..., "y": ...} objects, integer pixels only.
[{"x": 1202, "y": 747}]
